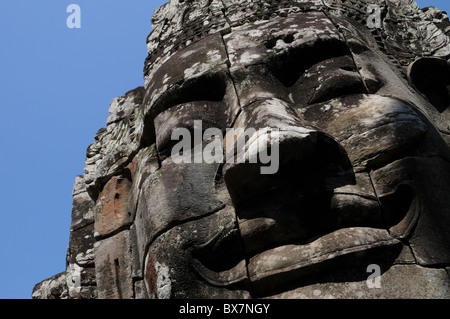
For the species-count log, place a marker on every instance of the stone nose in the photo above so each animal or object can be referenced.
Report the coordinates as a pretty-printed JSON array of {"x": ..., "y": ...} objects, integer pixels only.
[{"x": 280, "y": 153}]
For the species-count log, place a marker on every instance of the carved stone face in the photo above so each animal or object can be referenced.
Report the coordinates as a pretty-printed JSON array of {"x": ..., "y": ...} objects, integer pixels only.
[{"x": 363, "y": 172}]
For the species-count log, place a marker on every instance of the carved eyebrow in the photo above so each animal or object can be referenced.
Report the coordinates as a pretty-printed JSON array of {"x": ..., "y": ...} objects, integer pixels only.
[
  {"x": 207, "y": 87},
  {"x": 289, "y": 66}
]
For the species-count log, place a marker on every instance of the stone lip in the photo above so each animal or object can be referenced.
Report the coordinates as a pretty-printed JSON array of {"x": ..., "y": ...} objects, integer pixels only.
[
  {"x": 265, "y": 225},
  {"x": 350, "y": 246}
]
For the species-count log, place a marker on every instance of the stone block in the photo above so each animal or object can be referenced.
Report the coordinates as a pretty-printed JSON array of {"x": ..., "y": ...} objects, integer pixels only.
[
  {"x": 114, "y": 207},
  {"x": 113, "y": 267}
]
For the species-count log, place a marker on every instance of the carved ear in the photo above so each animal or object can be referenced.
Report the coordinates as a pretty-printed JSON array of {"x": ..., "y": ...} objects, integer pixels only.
[{"x": 431, "y": 77}]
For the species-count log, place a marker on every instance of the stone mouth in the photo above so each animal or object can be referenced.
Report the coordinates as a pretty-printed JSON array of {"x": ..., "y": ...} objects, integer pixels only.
[
  {"x": 297, "y": 237},
  {"x": 286, "y": 264},
  {"x": 287, "y": 217},
  {"x": 294, "y": 235},
  {"x": 292, "y": 215}
]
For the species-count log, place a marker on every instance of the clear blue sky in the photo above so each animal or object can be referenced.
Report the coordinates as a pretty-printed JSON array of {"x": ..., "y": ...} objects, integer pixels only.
[{"x": 56, "y": 84}]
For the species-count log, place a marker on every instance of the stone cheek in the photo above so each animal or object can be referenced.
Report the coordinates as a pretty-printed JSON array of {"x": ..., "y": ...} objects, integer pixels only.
[
  {"x": 192, "y": 260},
  {"x": 157, "y": 279},
  {"x": 430, "y": 238},
  {"x": 151, "y": 277},
  {"x": 174, "y": 194}
]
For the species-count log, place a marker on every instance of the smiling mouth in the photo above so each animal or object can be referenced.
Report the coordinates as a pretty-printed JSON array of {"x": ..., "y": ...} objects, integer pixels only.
[
  {"x": 292, "y": 263},
  {"x": 309, "y": 222},
  {"x": 295, "y": 232},
  {"x": 292, "y": 237},
  {"x": 309, "y": 236}
]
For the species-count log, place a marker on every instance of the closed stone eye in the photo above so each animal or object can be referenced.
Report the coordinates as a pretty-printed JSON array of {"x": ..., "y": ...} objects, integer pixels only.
[
  {"x": 209, "y": 87},
  {"x": 288, "y": 67}
]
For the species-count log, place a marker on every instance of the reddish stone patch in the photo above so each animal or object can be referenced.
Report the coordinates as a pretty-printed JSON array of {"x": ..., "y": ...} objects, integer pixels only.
[
  {"x": 114, "y": 206},
  {"x": 151, "y": 276}
]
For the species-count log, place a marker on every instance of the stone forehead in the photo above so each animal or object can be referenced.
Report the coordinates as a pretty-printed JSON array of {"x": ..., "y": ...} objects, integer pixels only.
[{"x": 180, "y": 23}]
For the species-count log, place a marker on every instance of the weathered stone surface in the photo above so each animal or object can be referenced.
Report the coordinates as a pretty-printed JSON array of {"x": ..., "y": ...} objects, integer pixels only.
[
  {"x": 81, "y": 282},
  {"x": 384, "y": 75},
  {"x": 241, "y": 12},
  {"x": 197, "y": 18},
  {"x": 122, "y": 107},
  {"x": 114, "y": 208},
  {"x": 405, "y": 257},
  {"x": 174, "y": 194},
  {"x": 285, "y": 264},
  {"x": 81, "y": 242},
  {"x": 411, "y": 282},
  {"x": 136, "y": 260},
  {"x": 204, "y": 56},
  {"x": 113, "y": 267},
  {"x": 372, "y": 129},
  {"x": 417, "y": 189},
  {"x": 271, "y": 40},
  {"x": 212, "y": 255},
  {"x": 52, "y": 288},
  {"x": 115, "y": 145},
  {"x": 82, "y": 206},
  {"x": 140, "y": 292},
  {"x": 355, "y": 116},
  {"x": 81, "y": 246}
]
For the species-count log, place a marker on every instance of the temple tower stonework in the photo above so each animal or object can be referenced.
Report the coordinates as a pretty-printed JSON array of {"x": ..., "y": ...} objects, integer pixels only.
[{"x": 354, "y": 98}]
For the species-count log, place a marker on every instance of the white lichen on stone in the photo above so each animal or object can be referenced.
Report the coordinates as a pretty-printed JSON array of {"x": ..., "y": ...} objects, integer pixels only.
[{"x": 163, "y": 283}]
